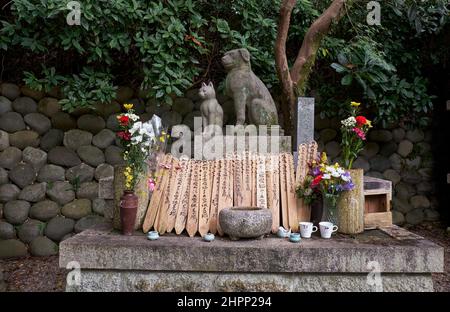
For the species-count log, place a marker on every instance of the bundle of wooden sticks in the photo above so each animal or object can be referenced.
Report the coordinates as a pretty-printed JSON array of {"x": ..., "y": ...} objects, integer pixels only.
[{"x": 190, "y": 193}]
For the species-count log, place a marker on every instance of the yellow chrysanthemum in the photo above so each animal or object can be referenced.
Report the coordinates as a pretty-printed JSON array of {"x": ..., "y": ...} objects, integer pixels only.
[
  {"x": 355, "y": 104},
  {"x": 369, "y": 123},
  {"x": 323, "y": 158},
  {"x": 128, "y": 106}
]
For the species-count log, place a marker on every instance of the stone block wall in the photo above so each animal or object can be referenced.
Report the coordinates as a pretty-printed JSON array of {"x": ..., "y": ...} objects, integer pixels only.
[{"x": 56, "y": 168}]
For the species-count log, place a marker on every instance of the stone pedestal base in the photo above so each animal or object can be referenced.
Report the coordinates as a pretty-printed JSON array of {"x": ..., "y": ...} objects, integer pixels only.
[
  {"x": 391, "y": 259},
  {"x": 132, "y": 281}
]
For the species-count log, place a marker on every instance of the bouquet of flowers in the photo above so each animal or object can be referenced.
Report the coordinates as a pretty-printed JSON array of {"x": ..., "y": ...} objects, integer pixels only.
[
  {"x": 326, "y": 181},
  {"x": 354, "y": 130},
  {"x": 140, "y": 141}
]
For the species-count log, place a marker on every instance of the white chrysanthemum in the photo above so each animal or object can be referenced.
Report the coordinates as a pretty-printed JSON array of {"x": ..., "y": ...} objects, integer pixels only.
[
  {"x": 335, "y": 174},
  {"x": 136, "y": 127},
  {"x": 350, "y": 122},
  {"x": 326, "y": 176},
  {"x": 133, "y": 117}
]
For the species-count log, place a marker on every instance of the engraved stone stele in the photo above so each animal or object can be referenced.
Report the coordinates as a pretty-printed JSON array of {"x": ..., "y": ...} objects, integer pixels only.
[
  {"x": 305, "y": 120},
  {"x": 305, "y": 123},
  {"x": 249, "y": 93},
  {"x": 141, "y": 191}
]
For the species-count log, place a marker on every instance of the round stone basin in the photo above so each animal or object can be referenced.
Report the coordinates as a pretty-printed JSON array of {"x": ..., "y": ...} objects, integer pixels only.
[{"x": 245, "y": 222}]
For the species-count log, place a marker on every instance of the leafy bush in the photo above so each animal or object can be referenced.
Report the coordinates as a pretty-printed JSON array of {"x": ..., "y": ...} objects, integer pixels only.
[
  {"x": 168, "y": 46},
  {"x": 387, "y": 62}
]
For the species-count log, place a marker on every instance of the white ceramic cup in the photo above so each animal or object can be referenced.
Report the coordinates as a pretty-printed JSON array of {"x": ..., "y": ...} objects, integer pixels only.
[
  {"x": 306, "y": 228},
  {"x": 326, "y": 228}
]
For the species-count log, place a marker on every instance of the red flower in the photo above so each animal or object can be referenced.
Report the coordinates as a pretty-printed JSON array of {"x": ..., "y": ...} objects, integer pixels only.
[
  {"x": 316, "y": 181},
  {"x": 124, "y": 135},
  {"x": 361, "y": 120},
  {"x": 124, "y": 120}
]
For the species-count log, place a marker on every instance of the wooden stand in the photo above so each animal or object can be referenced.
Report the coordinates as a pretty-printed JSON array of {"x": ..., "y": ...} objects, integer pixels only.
[{"x": 378, "y": 196}]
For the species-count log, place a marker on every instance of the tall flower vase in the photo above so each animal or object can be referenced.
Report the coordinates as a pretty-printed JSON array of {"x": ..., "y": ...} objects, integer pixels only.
[
  {"x": 329, "y": 208},
  {"x": 128, "y": 211},
  {"x": 141, "y": 191},
  {"x": 350, "y": 205}
]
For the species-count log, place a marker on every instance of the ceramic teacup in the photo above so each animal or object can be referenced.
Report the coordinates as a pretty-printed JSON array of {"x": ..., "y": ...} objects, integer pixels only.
[
  {"x": 153, "y": 235},
  {"x": 208, "y": 237},
  {"x": 294, "y": 237},
  {"x": 327, "y": 228},
  {"x": 283, "y": 233},
  {"x": 306, "y": 228}
]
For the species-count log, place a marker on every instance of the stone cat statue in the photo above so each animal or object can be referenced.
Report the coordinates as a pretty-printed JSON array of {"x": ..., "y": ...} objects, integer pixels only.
[
  {"x": 212, "y": 112},
  {"x": 248, "y": 91}
]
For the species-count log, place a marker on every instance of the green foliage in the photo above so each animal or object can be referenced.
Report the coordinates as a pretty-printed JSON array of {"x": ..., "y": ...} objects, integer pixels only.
[
  {"x": 386, "y": 62},
  {"x": 76, "y": 183},
  {"x": 168, "y": 46}
]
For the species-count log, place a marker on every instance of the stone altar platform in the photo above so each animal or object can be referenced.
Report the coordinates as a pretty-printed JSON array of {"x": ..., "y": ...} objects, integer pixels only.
[{"x": 112, "y": 262}]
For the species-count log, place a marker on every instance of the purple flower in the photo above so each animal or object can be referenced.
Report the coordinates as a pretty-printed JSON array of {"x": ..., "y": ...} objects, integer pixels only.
[
  {"x": 316, "y": 171},
  {"x": 339, "y": 188},
  {"x": 346, "y": 176},
  {"x": 348, "y": 186}
]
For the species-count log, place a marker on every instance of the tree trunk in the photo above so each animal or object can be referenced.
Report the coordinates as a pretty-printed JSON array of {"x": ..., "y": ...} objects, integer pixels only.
[{"x": 294, "y": 81}]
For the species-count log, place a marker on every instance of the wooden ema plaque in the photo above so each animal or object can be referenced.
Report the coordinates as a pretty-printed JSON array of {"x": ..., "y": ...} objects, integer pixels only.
[
  {"x": 226, "y": 187},
  {"x": 273, "y": 189},
  {"x": 247, "y": 181},
  {"x": 194, "y": 199},
  {"x": 214, "y": 208},
  {"x": 290, "y": 190},
  {"x": 283, "y": 192},
  {"x": 238, "y": 182},
  {"x": 205, "y": 198},
  {"x": 253, "y": 176},
  {"x": 153, "y": 207},
  {"x": 306, "y": 154},
  {"x": 168, "y": 198},
  {"x": 261, "y": 183},
  {"x": 175, "y": 197},
  {"x": 183, "y": 204},
  {"x": 190, "y": 194}
]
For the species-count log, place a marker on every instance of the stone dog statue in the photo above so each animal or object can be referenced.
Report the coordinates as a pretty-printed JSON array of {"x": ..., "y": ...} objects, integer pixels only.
[{"x": 247, "y": 90}]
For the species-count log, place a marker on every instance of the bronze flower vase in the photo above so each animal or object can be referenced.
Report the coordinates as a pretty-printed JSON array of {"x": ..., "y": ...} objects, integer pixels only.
[
  {"x": 350, "y": 205},
  {"x": 128, "y": 211}
]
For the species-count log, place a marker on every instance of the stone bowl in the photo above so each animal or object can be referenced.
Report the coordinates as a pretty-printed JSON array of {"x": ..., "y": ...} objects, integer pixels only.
[{"x": 245, "y": 222}]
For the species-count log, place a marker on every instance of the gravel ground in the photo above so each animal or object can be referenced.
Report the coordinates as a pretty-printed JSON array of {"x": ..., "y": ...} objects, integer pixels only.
[
  {"x": 37, "y": 274},
  {"x": 43, "y": 274},
  {"x": 437, "y": 234}
]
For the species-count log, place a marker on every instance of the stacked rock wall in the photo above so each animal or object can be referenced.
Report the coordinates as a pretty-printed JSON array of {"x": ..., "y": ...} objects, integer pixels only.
[{"x": 56, "y": 168}]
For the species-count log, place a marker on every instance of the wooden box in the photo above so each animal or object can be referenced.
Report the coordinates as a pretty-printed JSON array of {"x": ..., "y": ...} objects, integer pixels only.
[{"x": 378, "y": 196}]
